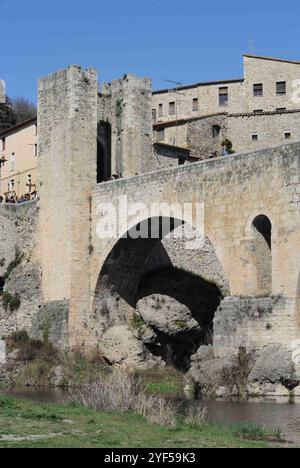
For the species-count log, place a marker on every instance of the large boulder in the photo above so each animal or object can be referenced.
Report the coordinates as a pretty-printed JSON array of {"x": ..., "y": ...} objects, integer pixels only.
[
  {"x": 166, "y": 315},
  {"x": 208, "y": 372},
  {"x": 120, "y": 348},
  {"x": 275, "y": 366}
]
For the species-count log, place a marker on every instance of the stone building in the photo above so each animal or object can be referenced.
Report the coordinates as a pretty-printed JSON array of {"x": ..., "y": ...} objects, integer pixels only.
[
  {"x": 258, "y": 111},
  {"x": 218, "y": 279}
]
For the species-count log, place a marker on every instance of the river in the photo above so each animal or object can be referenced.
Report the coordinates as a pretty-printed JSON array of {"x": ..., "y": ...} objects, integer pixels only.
[{"x": 272, "y": 414}]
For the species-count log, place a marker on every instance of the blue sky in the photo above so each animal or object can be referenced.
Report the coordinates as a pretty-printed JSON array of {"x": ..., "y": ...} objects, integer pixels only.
[{"x": 186, "y": 41}]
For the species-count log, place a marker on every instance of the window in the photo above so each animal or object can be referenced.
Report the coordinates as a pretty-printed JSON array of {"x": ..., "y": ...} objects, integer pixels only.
[
  {"x": 3, "y": 144},
  {"x": 280, "y": 88},
  {"x": 281, "y": 109},
  {"x": 258, "y": 89},
  {"x": 11, "y": 185},
  {"x": 35, "y": 130},
  {"x": 258, "y": 111},
  {"x": 160, "y": 135},
  {"x": 195, "y": 105},
  {"x": 216, "y": 129},
  {"x": 223, "y": 96},
  {"x": 287, "y": 135},
  {"x": 160, "y": 110},
  {"x": 12, "y": 161},
  {"x": 35, "y": 149},
  {"x": 254, "y": 137},
  {"x": 172, "y": 108}
]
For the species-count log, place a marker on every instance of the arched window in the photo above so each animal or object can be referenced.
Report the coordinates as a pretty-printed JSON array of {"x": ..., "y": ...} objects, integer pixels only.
[{"x": 262, "y": 239}]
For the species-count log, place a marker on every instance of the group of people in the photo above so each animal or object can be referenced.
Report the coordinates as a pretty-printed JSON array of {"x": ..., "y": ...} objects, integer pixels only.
[{"x": 14, "y": 199}]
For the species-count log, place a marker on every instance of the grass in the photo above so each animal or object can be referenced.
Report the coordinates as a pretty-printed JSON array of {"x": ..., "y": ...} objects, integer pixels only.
[
  {"x": 70, "y": 426},
  {"x": 168, "y": 382}
]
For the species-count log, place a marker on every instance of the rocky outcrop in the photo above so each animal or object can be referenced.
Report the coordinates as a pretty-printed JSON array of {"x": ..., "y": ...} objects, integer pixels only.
[
  {"x": 219, "y": 376},
  {"x": 275, "y": 366},
  {"x": 270, "y": 372},
  {"x": 120, "y": 347}
]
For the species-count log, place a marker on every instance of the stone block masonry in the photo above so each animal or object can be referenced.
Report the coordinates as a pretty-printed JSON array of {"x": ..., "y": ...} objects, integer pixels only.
[
  {"x": 67, "y": 115},
  {"x": 126, "y": 105}
]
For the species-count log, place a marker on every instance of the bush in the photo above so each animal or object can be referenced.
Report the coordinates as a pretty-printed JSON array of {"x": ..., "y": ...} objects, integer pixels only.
[
  {"x": 123, "y": 393},
  {"x": 31, "y": 349}
]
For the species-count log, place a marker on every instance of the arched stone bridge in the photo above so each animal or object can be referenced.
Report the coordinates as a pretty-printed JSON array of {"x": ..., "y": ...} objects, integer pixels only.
[{"x": 238, "y": 193}]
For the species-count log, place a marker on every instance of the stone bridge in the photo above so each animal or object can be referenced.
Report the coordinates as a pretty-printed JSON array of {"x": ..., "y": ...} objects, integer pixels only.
[
  {"x": 251, "y": 219},
  {"x": 231, "y": 259}
]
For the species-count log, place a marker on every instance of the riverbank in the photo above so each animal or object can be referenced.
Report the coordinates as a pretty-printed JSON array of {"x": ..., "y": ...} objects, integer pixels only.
[{"x": 24, "y": 424}]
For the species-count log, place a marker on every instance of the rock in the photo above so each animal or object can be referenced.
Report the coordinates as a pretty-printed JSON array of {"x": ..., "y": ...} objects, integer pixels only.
[
  {"x": 275, "y": 366},
  {"x": 14, "y": 356},
  {"x": 267, "y": 390},
  {"x": 57, "y": 375},
  {"x": 167, "y": 315},
  {"x": 120, "y": 347},
  {"x": 146, "y": 335},
  {"x": 208, "y": 371},
  {"x": 2, "y": 352}
]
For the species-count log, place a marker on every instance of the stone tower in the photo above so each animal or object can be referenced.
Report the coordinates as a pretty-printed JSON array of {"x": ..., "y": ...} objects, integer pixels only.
[
  {"x": 67, "y": 116},
  {"x": 126, "y": 104}
]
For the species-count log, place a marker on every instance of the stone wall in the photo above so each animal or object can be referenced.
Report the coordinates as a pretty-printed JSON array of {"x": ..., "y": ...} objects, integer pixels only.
[
  {"x": 126, "y": 105},
  {"x": 67, "y": 115},
  {"x": 205, "y": 136},
  {"x": 20, "y": 265},
  {"x": 271, "y": 130},
  {"x": 170, "y": 156}
]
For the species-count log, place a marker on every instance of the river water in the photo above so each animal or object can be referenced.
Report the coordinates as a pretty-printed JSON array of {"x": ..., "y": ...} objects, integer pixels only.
[{"x": 272, "y": 414}]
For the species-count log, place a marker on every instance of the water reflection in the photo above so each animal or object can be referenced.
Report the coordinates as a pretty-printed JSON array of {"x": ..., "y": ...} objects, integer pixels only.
[{"x": 275, "y": 415}]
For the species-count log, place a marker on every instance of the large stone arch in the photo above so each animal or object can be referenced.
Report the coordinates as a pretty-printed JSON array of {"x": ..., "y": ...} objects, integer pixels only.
[{"x": 178, "y": 270}]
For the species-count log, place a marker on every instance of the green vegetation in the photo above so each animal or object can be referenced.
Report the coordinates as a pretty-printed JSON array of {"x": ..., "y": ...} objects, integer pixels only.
[
  {"x": 30, "y": 425},
  {"x": 228, "y": 145},
  {"x": 180, "y": 324},
  {"x": 137, "y": 322},
  {"x": 37, "y": 359},
  {"x": 10, "y": 302},
  {"x": 167, "y": 382}
]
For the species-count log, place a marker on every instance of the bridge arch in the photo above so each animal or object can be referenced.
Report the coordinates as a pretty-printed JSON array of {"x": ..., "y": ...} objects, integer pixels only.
[{"x": 178, "y": 268}]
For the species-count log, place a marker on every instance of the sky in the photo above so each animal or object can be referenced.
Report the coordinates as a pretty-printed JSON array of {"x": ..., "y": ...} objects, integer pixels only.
[{"x": 186, "y": 41}]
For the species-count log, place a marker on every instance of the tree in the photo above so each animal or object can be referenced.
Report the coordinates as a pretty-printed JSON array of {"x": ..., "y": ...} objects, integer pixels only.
[
  {"x": 228, "y": 145},
  {"x": 22, "y": 110}
]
